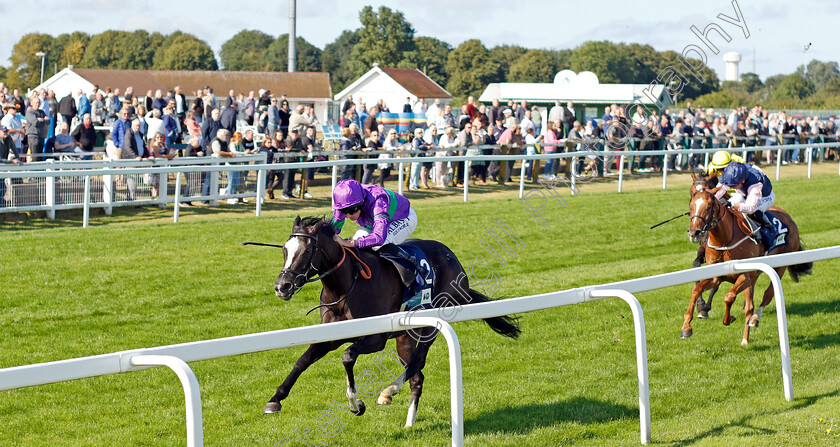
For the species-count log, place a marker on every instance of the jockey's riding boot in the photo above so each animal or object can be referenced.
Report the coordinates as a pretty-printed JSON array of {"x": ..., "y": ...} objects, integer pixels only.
[
  {"x": 760, "y": 218},
  {"x": 768, "y": 230},
  {"x": 408, "y": 277}
]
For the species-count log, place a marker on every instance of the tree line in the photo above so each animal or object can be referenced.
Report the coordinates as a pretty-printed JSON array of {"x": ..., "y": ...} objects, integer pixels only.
[
  {"x": 387, "y": 38},
  {"x": 812, "y": 86}
]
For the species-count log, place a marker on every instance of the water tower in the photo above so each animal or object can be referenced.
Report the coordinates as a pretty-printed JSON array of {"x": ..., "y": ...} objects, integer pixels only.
[{"x": 732, "y": 59}]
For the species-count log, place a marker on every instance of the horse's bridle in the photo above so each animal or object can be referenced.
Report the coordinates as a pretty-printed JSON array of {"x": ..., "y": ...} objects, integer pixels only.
[
  {"x": 300, "y": 279},
  {"x": 708, "y": 225}
]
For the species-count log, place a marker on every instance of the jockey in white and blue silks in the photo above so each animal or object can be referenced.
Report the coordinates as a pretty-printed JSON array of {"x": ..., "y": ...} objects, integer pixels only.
[
  {"x": 753, "y": 192},
  {"x": 385, "y": 220}
]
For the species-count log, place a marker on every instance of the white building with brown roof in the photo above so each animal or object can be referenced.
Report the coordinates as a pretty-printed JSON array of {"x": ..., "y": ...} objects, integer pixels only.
[{"x": 393, "y": 86}]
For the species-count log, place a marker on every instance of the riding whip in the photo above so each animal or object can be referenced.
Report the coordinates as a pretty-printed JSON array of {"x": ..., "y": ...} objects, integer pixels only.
[
  {"x": 666, "y": 221},
  {"x": 262, "y": 244}
]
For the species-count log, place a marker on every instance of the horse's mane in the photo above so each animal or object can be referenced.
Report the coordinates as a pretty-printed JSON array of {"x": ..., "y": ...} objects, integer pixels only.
[{"x": 311, "y": 221}]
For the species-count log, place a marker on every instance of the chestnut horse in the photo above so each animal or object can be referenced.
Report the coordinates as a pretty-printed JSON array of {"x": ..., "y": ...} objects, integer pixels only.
[
  {"x": 729, "y": 238},
  {"x": 357, "y": 284}
]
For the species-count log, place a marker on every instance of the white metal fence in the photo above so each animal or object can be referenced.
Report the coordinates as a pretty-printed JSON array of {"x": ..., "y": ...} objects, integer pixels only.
[
  {"x": 176, "y": 356},
  {"x": 52, "y": 186}
]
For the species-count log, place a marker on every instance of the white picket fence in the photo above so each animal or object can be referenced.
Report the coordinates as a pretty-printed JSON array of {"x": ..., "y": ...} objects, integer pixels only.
[
  {"x": 86, "y": 178},
  {"x": 176, "y": 356}
]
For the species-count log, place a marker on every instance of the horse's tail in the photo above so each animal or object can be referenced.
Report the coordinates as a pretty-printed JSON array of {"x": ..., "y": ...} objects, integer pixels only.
[
  {"x": 798, "y": 270},
  {"x": 504, "y": 325}
]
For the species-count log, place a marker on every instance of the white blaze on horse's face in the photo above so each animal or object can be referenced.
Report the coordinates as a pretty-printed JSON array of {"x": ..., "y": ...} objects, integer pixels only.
[
  {"x": 698, "y": 206},
  {"x": 292, "y": 248},
  {"x": 698, "y": 210}
]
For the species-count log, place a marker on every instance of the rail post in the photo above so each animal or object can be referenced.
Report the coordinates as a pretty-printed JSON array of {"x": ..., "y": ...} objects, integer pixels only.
[
  {"x": 641, "y": 355},
  {"x": 192, "y": 394},
  {"x": 781, "y": 315}
]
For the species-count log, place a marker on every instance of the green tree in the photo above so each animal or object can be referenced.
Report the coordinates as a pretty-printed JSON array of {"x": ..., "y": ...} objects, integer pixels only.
[
  {"x": 336, "y": 60},
  {"x": 120, "y": 50},
  {"x": 819, "y": 73},
  {"x": 276, "y": 56},
  {"x": 774, "y": 81},
  {"x": 601, "y": 58},
  {"x": 429, "y": 57},
  {"x": 384, "y": 38},
  {"x": 244, "y": 51},
  {"x": 471, "y": 68},
  {"x": 693, "y": 87},
  {"x": 25, "y": 70},
  {"x": 751, "y": 82},
  {"x": 643, "y": 61},
  {"x": 186, "y": 52},
  {"x": 793, "y": 88},
  {"x": 507, "y": 55},
  {"x": 723, "y": 99},
  {"x": 70, "y": 48},
  {"x": 535, "y": 66},
  {"x": 832, "y": 88}
]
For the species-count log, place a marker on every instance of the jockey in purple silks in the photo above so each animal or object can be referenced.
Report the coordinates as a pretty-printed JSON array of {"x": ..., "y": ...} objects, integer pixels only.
[{"x": 385, "y": 220}]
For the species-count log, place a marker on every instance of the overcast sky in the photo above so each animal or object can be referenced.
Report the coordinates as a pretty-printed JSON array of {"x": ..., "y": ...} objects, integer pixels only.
[{"x": 779, "y": 31}]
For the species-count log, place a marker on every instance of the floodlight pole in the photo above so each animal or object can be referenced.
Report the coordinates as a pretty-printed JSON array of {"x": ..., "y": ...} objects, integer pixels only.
[
  {"x": 42, "y": 55},
  {"x": 292, "y": 37}
]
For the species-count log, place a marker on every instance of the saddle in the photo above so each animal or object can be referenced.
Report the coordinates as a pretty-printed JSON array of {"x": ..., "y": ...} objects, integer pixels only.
[
  {"x": 770, "y": 240},
  {"x": 415, "y": 273}
]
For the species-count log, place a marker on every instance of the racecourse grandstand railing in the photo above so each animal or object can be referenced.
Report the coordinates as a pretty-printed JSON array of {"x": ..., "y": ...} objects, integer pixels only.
[{"x": 61, "y": 185}]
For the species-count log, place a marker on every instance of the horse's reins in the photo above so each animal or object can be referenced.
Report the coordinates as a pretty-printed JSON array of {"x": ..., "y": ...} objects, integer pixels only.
[
  {"x": 364, "y": 270},
  {"x": 707, "y": 227}
]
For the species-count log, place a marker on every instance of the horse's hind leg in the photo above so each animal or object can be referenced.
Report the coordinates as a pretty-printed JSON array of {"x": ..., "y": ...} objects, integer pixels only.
[
  {"x": 415, "y": 364},
  {"x": 748, "y": 312},
  {"x": 314, "y": 353},
  {"x": 364, "y": 345},
  {"x": 416, "y": 383},
  {"x": 703, "y": 307}
]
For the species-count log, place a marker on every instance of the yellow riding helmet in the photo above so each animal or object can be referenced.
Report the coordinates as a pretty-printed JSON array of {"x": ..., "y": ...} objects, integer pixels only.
[{"x": 720, "y": 160}]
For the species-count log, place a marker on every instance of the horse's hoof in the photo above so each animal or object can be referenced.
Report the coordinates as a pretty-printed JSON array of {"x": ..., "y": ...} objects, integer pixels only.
[
  {"x": 753, "y": 322},
  {"x": 702, "y": 314},
  {"x": 383, "y": 399},
  {"x": 361, "y": 406},
  {"x": 272, "y": 407},
  {"x": 685, "y": 333},
  {"x": 729, "y": 321},
  {"x": 744, "y": 342}
]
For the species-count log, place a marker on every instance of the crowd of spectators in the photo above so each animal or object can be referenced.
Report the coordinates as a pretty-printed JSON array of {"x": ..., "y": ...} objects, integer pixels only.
[
  {"x": 560, "y": 128},
  {"x": 165, "y": 123}
]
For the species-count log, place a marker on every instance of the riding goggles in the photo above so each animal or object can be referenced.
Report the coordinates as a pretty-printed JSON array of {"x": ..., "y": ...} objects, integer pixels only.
[{"x": 352, "y": 209}]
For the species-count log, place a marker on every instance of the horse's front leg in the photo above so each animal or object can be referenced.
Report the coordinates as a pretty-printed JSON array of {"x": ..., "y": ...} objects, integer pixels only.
[
  {"x": 749, "y": 307},
  {"x": 689, "y": 313},
  {"x": 745, "y": 280},
  {"x": 364, "y": 345},
  {"x": 314, "y": 353}
]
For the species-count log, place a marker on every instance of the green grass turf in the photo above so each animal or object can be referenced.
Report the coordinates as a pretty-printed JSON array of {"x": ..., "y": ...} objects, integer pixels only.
[{"x": 135, "y": 280}]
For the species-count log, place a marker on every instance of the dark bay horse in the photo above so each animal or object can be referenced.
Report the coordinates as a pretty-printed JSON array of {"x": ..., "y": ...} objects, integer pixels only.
[
  {"x": 358, "y": 284},
  {"x": 729, "y": 238}
]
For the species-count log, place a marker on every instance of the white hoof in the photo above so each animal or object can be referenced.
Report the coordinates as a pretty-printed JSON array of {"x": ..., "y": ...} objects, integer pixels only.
[
  {"x": 383, "y": 400},
  {"x": 744, "y": 342}
]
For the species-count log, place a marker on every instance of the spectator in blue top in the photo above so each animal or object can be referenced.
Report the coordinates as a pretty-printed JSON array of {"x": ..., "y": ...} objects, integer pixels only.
[
  {"x": 84, "y": 105},
  {"x": 119, "y": 129}
]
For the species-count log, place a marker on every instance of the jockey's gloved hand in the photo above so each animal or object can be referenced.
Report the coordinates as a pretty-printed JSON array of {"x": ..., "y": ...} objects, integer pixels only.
[{"x": 725, "y": 202}]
